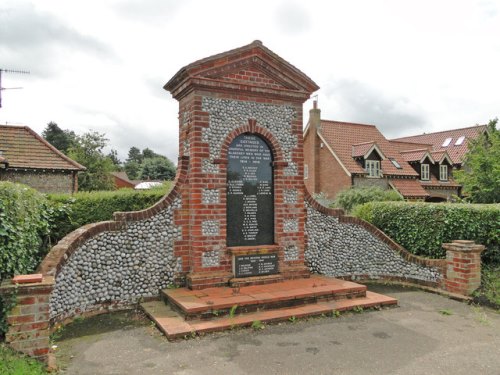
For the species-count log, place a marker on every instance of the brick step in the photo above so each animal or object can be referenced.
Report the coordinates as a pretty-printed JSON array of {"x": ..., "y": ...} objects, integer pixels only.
[
  {"x": 174, "y": 326},
  {"x": 215, "y": 302}
]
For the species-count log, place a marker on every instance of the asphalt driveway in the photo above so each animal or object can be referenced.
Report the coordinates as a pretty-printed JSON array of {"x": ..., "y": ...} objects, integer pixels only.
[{"x": 427, "y": 334}]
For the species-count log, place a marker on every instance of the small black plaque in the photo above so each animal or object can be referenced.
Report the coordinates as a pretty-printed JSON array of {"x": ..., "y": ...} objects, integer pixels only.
[{"x": 255, "y": 265}]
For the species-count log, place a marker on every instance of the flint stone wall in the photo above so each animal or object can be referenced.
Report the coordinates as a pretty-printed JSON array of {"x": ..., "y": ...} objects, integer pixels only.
[
  {"x": 341, "y": 246},
  {"x": 119, "y": 267}
]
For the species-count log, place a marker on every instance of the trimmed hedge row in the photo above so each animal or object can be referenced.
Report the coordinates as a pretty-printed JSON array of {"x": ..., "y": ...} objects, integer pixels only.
[
  {"x": 24, "y": 225},
  {"x": 423, "y": 227},
  {"x": 73, "y": 211},
  {"x": 350, "y": 198}
]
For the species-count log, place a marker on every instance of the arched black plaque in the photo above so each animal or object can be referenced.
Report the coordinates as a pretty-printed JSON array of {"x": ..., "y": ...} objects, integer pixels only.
[{"x": 250, "y": 197}]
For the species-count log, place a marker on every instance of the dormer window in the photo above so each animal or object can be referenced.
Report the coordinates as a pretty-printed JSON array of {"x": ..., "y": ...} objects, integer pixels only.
[
  {"x": 424, "y": 172},
  {"x": 443, "y": 172},
  {"x": 372, "y": 167}
]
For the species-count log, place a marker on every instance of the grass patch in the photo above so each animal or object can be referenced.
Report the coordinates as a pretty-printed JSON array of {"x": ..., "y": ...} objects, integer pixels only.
[
  {"x": 489, "y": 292},
  {"x": 12, "y": 363}
]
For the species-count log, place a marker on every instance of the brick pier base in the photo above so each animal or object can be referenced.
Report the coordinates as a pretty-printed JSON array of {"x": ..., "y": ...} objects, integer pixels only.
[
  {"x": 463, "y": 266},
  {"x": 28, "y": 321}
]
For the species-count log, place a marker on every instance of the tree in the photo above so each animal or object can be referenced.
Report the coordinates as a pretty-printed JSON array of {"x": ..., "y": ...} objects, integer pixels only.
[
  {"x": 147, "y": 153},
  {"x": 157, "y": 168},
  {"x": 113, "y": 155},
  {"x": 134, "y": 154},
  {"x": 481, "y": 174},
  {"x": 88, "y": 151},
  {"x": 60, "y": 139},
  {"x": 133, "y": 170}
]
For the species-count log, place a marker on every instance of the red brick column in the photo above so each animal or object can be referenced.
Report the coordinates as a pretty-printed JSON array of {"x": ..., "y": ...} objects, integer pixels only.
[
  {"x": 463, "y": 266},
  {"x": 28, "y": 321}
]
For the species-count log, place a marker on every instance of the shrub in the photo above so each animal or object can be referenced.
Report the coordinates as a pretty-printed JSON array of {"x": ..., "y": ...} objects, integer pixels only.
[
  {"x": 70, "y": 212},
  {"x": 24, "y": 224},
  {"x": 423, "y": 227},
  {"x": 349, "y": 199}
]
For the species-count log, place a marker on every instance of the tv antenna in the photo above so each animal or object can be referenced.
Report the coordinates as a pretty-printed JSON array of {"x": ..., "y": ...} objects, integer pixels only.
[{"x": 9, "y": 88}]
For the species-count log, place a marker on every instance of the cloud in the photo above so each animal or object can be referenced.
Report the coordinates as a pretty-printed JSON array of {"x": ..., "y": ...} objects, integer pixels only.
[
  {"x": 33, "y": 39},
  {"x": 357, "y": 102},
  {"x": 156, "y": 11},
  {"x": 292, "y": 18}
]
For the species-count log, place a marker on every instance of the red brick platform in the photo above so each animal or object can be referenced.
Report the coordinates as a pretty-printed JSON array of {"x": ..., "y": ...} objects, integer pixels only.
[{"x": 186, "y": 312}]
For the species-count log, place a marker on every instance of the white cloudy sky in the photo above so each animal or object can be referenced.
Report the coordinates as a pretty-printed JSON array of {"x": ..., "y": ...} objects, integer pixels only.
[{"x": 408, "y": 66}]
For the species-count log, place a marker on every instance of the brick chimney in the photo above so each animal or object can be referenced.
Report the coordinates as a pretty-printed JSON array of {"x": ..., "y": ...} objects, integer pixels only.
[{"x": 315, "y": 128}]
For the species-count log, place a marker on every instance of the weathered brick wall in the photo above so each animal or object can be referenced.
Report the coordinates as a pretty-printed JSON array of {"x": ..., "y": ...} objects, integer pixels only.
[{"x": 44, "y": 182}]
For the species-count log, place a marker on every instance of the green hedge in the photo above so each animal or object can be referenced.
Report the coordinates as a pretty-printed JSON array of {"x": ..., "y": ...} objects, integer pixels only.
[
  {"x": 73, "y": 211},
  {"x": 423, "y": 227},
  {"x": 350, "y": 198},
  {"x": 24, "y": 226}
]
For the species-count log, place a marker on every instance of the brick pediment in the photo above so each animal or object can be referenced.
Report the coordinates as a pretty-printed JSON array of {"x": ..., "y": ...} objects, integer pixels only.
[
  {"x": 252, "y": 68},
  {"x": 253, "y": 71}
]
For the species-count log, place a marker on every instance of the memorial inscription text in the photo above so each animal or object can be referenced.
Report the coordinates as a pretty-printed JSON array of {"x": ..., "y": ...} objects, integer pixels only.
[{"x": 250, "y": 200}]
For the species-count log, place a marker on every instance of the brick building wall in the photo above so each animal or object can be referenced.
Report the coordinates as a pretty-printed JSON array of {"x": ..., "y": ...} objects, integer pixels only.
[
  {"x": 44, "y": 182},
  {"x": 333, "y": 179}
]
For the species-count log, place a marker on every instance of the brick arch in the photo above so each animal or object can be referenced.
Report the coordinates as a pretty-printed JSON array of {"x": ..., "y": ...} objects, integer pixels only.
[{"x": 254, "y": 129}]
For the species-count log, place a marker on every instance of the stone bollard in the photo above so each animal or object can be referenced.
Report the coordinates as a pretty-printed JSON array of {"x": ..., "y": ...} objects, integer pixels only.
[
  {"x": 28, "y": 321},
  {"x": 463, "y": 266}
]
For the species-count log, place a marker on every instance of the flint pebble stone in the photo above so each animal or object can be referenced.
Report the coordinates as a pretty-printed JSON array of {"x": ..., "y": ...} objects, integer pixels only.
[
  {"x": 210, "y": 258},
  {"x": 291, "y": 253},
  {"x": 338, "y": 249},
  {"x": 210, "y": 196},
  {"x": 210, "y": 228},
  {"x": 290, "y": 225},
  {"x": 290, "y": 196},
  {"x": 227, "y": 115},
  {"x": 121, "y": 266}
]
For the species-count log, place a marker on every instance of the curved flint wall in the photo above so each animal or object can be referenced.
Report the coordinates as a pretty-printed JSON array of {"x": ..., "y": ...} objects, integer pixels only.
[
  {"x": 117, "y": 263},
  {"x": 348, "y": 247}
]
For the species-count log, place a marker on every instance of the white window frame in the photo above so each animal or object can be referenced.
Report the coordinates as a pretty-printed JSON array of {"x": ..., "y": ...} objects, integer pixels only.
[
  {"x": 424, "y": 172},
  {"x": 443, "y": 172},
  {"x": 372, "y": 167},
  {"x": 306, "y": 171}
]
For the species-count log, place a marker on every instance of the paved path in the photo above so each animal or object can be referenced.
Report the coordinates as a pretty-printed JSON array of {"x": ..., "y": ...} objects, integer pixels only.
[{"x": 419, "y": 337}]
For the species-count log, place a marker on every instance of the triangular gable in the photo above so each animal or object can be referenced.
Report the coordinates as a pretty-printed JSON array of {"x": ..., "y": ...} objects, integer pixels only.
[
  {"x": 254, "y": 71},
  {"x": 364, "y": 150},
  {"x": 427, "y": 155},
  {"x": 270, "y": 72},
  {"x": 440, "y": 157}
]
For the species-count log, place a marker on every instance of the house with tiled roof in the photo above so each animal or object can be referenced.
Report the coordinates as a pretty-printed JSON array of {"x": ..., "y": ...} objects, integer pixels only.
[
  {"x": 27, "y": 158},
  {"x": 339, "y": 155},
  {"x": 122, "y": 181},
  {"x": 455, "y": 142}
]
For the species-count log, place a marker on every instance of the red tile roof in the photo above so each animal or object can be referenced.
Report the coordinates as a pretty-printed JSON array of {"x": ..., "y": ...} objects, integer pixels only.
[
  {"x": 341, "y": 136},
  {"x": 415, "y": 155},
  {"x": 361, "y": 149},
  {"x": 434, "y": 182},
  {"x": 409, "y": 188},
  {"x": 456, "y": 152},
  {"x": 23, "y": 148}
]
